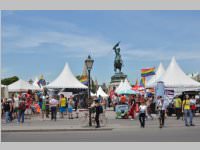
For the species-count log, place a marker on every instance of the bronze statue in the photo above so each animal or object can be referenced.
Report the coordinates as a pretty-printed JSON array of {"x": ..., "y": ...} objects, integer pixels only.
[{"x": 118, "y": 61}]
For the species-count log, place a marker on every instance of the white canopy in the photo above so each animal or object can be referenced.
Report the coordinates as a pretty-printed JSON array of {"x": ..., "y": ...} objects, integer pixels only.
[
  {"x": 35, "y": 83},
  {"x": 119, "y": 87},
  {"x": 93, "y": 94},
  {"x": 174, "y": 77},
  {"x": 101, "y": 92},
  {"x": 125, "y": 86},
  {"x": 66, "y": 79},
  {"x": 21, "y": 85},
  {"x": 159, "y": 73}
]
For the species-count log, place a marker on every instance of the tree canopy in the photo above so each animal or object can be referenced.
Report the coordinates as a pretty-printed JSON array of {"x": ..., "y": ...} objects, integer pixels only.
[{"x": 10, "y": 80}]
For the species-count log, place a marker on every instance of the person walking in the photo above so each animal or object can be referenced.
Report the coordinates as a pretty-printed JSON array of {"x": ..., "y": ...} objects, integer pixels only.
[
  {"x": 7, "y": 109},
  {"x": 142, "y": 114},
  {"x": 53, "y": 105},
  {"x": 149, "y": 109},
  {"x": 22, "y": 108},
  {"x": 187, "y": 111},
  {"x": 132, "y": 109},
  {"x": 178, "y": 104},
  {"x": 162, "y": 106},
  {"x": 98, "y": 111},
  {"x": 62, "y": 105}
]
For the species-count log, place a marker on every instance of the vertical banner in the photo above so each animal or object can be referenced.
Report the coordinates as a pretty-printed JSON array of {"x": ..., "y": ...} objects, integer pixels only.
[{"x": 160, "y": 89}]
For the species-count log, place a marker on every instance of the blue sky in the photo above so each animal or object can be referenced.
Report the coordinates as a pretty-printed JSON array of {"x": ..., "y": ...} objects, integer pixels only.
[{"x": 40, "y": 42}]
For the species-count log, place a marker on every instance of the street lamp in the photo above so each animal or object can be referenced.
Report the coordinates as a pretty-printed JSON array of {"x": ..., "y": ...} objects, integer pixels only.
[{"x": 89, "y": 62}]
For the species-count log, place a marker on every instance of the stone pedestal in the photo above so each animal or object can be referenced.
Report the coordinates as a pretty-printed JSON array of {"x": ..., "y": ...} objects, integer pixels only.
[{"x": 116, "y": 79}]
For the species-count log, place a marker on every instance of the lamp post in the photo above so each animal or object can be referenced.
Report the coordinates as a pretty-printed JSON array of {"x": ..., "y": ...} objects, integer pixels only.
[{"x": 89, "y": 62}]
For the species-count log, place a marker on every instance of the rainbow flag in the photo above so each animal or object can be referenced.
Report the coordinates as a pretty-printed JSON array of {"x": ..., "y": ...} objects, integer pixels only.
[
  {"x": 143, "y": 81},
  {"x": 84, "y": 80},
  {"x": 147, "y": 72}
]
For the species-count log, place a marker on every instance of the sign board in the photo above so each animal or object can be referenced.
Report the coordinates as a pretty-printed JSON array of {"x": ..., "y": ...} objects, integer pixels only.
[{"x": 121, "y": 108}]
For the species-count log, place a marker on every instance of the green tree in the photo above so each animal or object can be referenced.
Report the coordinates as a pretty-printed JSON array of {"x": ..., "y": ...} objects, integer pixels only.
[
  {"x": 78, "y": 77},
  {"x": 10, "y": 80}
]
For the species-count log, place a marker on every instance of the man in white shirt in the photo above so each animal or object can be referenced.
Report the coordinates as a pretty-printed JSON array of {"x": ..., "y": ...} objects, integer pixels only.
[
  {"x": 53, "y": 105},
  {"x": 142, "y": 115},
  {"x": 162, "y": 107}
]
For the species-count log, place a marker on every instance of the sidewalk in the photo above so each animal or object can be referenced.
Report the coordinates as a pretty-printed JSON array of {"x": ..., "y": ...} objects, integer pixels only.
[{"x": 37, "y": 124}]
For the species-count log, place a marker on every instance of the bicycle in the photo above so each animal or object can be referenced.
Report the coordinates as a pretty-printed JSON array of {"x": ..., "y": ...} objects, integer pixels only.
[{"x": 84, "y": 119}]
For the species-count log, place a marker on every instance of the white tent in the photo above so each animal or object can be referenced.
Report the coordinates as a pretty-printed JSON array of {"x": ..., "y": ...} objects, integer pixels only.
[
  {"x": 119, "y": 87},
  {"x": 93, "y": 94},
  {"x": 159, "y": 73},
  {"x": 66, "y": 79},
  {"x": 175, "y": 78},
  {"x": 101, "y": 93},
  {"x": 21, "y": 85},
  {"x": 125, "y": 86},
  {"x": 35, "y": 83}
]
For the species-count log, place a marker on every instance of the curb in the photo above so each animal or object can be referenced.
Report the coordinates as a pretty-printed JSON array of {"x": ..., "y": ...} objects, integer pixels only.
[{"x": 55, "y": 130}]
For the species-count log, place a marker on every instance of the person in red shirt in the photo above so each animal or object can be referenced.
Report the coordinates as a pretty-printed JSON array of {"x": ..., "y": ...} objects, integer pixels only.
[
  {"x": 132, "y": 109},
  {"x": 123, "y": 99}
]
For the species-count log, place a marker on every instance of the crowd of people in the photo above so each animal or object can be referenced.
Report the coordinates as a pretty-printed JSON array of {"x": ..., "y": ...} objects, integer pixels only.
[
  {"x": 41, "y": 104},
  {"x": 37, "y": 103},
  {"x": 146, "y": 106}
]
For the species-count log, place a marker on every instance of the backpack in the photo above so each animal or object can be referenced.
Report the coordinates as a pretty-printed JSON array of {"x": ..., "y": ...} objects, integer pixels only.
[
  {"x": 22, "y": 106},
  {"x": 100, "y": 109}
]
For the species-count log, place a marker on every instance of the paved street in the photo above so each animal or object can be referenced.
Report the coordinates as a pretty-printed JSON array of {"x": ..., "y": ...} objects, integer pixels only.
[
  {"x": 177, "y": 134},
  {"x": 117, "y": 130}
]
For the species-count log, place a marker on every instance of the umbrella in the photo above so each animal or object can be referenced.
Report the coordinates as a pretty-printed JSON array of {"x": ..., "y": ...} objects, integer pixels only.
[{"x": 128, "y": 92}]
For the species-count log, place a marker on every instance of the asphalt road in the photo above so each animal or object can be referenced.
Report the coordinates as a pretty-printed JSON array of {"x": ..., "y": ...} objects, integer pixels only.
[{"x": 168, "y": 134}]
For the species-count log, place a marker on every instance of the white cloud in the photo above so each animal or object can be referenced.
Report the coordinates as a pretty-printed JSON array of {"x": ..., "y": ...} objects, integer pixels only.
[
  {"x": 15, "y": 38},
  {"x": 77, "y": 42},
  {"x": 160, "y": 54}
]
